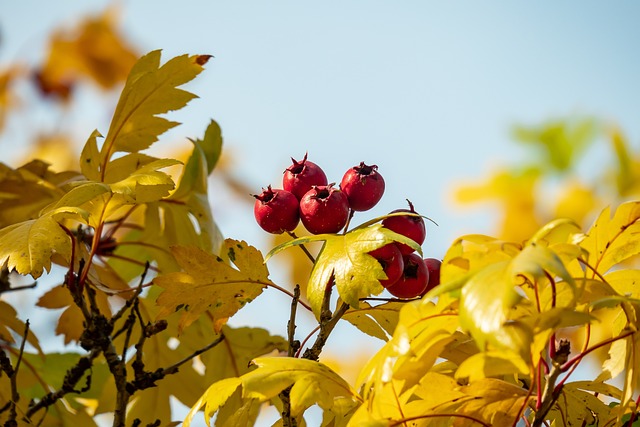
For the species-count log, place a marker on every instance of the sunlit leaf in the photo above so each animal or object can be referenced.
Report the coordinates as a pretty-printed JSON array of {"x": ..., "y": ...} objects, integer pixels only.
[
  {"x": 274, "y": 374},
  {"x": 208, "y": 283},
  {"x": 344, "y": 258},
  {"x": 378, "y": 321},
  {"x": 612, "y": 240},
  {"x": 491, "y": 364},
  {"x": 147, "y": 183},
  {"x": 212, "y": 399},
  {"x": 27, "y": 247}
]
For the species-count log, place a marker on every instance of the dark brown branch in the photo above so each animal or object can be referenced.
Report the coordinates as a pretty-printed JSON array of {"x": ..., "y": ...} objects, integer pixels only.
[
  {"x": 71, "y": 379},
  {"x": 294, "y": 345},
  {"x": 328, "y": 321}
]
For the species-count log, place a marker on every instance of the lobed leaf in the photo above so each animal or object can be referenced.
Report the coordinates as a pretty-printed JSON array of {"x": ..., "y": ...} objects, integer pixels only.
[
  {"x": 208, "y": 283},
  {"x": 27, "y": 247},
  {"x": 610, "y": 241},
  {"x": 344, "y": 259}
]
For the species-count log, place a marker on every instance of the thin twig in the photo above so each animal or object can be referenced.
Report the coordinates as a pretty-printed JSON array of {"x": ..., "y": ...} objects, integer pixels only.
[{"x": 294, "y": 345}]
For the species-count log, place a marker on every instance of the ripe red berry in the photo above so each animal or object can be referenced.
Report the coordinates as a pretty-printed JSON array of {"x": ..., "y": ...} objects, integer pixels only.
[
  {"x": 414, "y": 279},
  {"x": 324, "y": 209},
  {"x": 363, "y": 185},
  {"x": 411, "y": 226},
  {"x": 433, "y": 265},
  {"x": 301, "y": 176},
  {"x": 276, "y": 211},
  {"x": 390, "y": 258}
]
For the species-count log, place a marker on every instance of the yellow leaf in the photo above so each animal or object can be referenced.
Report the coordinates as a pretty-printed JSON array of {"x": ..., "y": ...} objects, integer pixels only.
[
  {"x": 8, "y": 98},
  {"x": 150, "y": 90},
  {"x": 26, "y": 190},
  {"x": 9, "y": 320},
  {"x": 208, "y": 283},
  {"x": 27, "y": 247},
  {"x": 577, "y": 407},
  {"x": 274, "y": 374},
  {"x": 613, "y": 240},
  {"x": 576, "y": 202},
  {"x": 378, "y": 321},
  {"x": 491, "y": 364},
  {"x": 215, "y": 396},
  {"x": 514, "y": 192},
  {"x": 92, "y": 50}
]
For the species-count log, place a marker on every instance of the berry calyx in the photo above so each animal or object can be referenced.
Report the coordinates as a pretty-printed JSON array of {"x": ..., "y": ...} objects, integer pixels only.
[
  {"x": 411, "y": 226},
  {"x": 390, "y": 259},
  {"x": 324, "y": 209},
  {"x": 276, "y": 211},
  {"x": 433, "y": 265},
  {"x": 414, "y": 279},
  {"x": 301, "y": 176},
  {"x": 363, "y": 185}
]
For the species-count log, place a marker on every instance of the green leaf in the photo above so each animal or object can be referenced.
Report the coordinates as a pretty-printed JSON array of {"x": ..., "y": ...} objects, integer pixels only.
[{"x": 560, "y": 142}]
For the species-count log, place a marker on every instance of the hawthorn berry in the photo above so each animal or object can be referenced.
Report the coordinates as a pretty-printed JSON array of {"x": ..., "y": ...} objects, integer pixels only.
[
  {"x": 301, "y": 176},
  {"x": 390, "y": 258},
  {"x": 276, "y": 211},
  {"x": 433, "y": 265},
  {"x": 363, "y": 185},
  {"x": 324, "y": 209},
  {"x": 414, "y": 279},
  {"x": 411, "y": 226}
]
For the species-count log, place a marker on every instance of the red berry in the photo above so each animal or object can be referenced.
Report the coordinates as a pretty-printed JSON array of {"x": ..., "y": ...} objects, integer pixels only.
[
  {"x": 364, "y": 186},
  {"x": 414, "y": 279},
  {"x": 411, "y": 226},
  {"x": 390, "y": 258},
  {"x": 301, "y": 176},
  {"x": 276, "y": 211},
  {"x": 324, "y": 209},
  {"x": 433, "y": 265}
]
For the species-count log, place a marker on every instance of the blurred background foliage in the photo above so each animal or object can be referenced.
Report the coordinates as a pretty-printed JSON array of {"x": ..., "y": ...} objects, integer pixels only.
[{"x": 556, "y": 177}]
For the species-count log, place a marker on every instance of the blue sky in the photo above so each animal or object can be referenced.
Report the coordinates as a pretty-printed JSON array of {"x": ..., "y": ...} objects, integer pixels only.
[{"x": 426, "y": 90}]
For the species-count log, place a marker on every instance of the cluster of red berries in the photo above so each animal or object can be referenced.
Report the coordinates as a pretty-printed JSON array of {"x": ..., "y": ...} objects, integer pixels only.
[{"x": 308, "y": 197}]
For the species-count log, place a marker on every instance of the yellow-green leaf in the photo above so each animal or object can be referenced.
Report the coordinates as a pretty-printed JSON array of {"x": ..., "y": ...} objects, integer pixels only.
[
  {"x": 208, "y": 283},
  {"x": 345, "y": 259},
  {"x": 146, "y": 184}
]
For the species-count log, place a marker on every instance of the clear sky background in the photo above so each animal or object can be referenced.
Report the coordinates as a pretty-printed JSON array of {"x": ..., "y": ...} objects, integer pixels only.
[{"x": 426, "y": 90}]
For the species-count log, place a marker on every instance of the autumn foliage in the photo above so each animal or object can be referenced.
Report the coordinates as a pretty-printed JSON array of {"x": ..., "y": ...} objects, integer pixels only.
[{"x": 148, "y": 284}]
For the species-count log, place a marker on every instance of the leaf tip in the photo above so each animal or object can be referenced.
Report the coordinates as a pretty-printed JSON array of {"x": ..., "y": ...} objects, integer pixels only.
[{"x": 202, "y": 59}]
